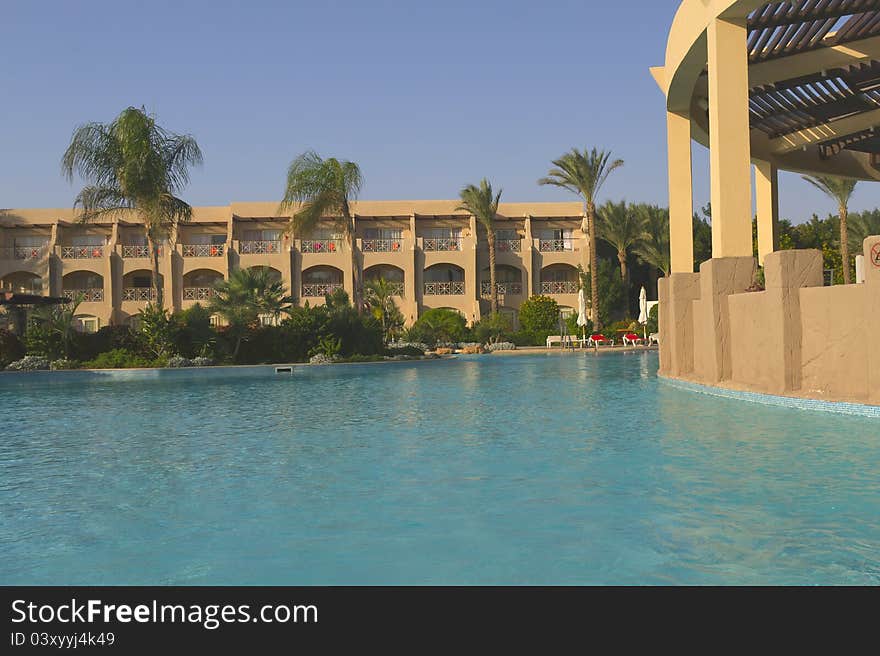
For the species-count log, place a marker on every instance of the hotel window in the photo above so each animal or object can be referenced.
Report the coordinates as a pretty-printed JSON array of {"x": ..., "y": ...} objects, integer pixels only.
[
  {"x": 383, "y": 233},
  {"x": 556, "y": 239},
  {"x": 262, "y": 235},
  {"x": 442, "y": 239},
  {"x": 141, "y": 281},
  {"x": 89, "y": 240},
  {"x": 506, "y": 234},
  {"x": 207, "y": 239}
]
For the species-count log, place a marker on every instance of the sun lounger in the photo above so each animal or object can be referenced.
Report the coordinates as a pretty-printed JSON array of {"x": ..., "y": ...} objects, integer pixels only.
[
  {"x": 597, "y": 339},
  {"x": 632, "y": 339}
]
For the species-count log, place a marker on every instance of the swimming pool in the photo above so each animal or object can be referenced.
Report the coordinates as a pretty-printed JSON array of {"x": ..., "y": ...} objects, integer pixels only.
[{"x": 521, "y": 469}]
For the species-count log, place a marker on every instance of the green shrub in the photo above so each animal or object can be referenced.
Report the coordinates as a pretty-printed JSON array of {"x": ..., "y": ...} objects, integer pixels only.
[
  {"x": 192, "y": 333},
  {"x": 120, "y": 359},
  {"x": 438, "y": 325},
  {"x": 539, "y": 314},
  {"x": 612, "y": 291},
  {"x": 11, "y": 348},
  {"x": 63, "y": 364},
  {"x": 652, "y": 325},
  {"x": 29, "y": 363},
  {"x": 492, "y": 328},
  {"x": 88, "y": 346},
  {"x": 410, "y": 351}
]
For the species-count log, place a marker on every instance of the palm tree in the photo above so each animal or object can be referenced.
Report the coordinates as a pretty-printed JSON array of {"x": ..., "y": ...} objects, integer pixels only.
[
  {"x": 379, "y": 295},
  {"x": 622, "y": 227},
  {"x": 653, "y": 248},
  {"x": 240, "y": 300},
  {"x": 482, "y": 203},
  {"x": 319, "y": 188},
  {"x": 584, "y": 173},
  {"x": 861, "y": 226},
  {"x": 267, "y": 291},
  {"x": 841, "y": 190},
  {"x": 133, "y": 165},
  {"x": 57, "y": 321}
]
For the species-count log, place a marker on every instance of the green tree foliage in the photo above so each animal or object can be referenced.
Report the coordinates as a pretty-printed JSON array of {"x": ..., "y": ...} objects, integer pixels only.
[
  {"x": 702, "y": 236},
  {"x": 11, "y": 347},
  {"x": 50, "y": 331},
  {"x": 241, "y": 300},
  {"x": 133, "y": 165},
  {"x": 621, "y": 226},
  {"x": 653, "y": 247},
  {"x": 156, "y": 330},
  {"x": 612, "y": 293},
  {"x": 438, "y": 326},
  {"x": 492, "y": 328},
  {"x": 840, "y": 190},
  {"x": 539, "y": 314},
  {"x": 320, "y": 188},
  {"x": 379, "y": 296},
  {"x": 584, "y": 173}
]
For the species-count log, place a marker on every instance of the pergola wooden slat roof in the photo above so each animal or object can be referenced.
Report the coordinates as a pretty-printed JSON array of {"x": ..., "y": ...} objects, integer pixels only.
[{"x": 777, "y": 29}]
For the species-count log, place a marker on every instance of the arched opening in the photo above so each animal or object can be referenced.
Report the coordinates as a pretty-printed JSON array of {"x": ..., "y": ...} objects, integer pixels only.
[
  {"x": 508, "y": 280},
  {"x": 85, "y": 284},
  {"x": 199, "y": 285},
  {"x": 23, "y": 282},
  {"x": 274, "y": 274},
  {"x": 394, "y": 276},
  {"x": 559, "y": 279},
  {"x": 319, "y": 281},
  {"x": 444, "y": 280},
  {"x": 138, "y": 286}
]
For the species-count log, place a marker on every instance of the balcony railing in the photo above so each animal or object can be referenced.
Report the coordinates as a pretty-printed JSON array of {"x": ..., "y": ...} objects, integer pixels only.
[
  {"x": 23, "y": 252},
  {"x": 444, "y": 288},
  {"x": 129, "y": 251},
  {"x": 435, "y": 244},
  {"x": 320, "y": 245},
  {"x": 138, "y": 294},
  {"x": 381, "y": 245},
  {"x": 89, "y": 295},
  {"x": 259, "y": 247},
  {"x": 198, "y": 293},
  {"x": 502, "y": 287},
  {"x": 559, "y": 287},
  {"x": 554, "y": 245},
  {"x": 203, "y": 250},
  {"x": 396, "y": 288},
  {"x": 508, "y": 245},
  {"x": 82, "y": 252},
  {"x": 318, "y": 289}
]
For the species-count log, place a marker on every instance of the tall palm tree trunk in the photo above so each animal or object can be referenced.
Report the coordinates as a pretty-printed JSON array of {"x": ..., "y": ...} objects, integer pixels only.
[
  {"x": 844, "y": 244},
  {"x": 624, "y": 273},
  {"x": 594, "y": 270},
  {"x": 154, "y": 269},
  {"x": 356, "y": 286},
  {"x": 493, "y": 298}
]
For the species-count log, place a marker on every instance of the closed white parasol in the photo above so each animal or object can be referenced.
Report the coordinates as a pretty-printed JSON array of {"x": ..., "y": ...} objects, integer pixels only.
[
  {"x": 582, "y": 311},
  {"x": 643, "y": 310}
]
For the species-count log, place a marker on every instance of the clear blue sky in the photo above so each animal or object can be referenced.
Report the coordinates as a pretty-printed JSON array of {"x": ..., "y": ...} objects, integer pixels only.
[{"x": 425, "y": 96}]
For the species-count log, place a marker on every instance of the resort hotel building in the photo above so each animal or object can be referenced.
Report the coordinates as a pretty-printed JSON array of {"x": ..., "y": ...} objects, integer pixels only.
[{"x": 435, "y": 256}]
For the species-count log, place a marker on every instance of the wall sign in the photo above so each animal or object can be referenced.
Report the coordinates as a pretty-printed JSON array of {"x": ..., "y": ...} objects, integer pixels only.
[{"x": 875, "y": 255}]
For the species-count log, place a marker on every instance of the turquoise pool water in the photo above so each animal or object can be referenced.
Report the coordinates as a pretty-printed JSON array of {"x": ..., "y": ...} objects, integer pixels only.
[{"x": 521, "y": 469}]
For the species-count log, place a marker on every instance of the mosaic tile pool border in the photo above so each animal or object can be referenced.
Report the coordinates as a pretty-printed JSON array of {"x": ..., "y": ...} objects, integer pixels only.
[{"x": 837, "y": 407}]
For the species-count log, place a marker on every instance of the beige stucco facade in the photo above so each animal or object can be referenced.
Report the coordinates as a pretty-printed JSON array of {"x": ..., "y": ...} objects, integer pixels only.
[
  {"x": 435, "y": 254},
  {"x": 769, "y": 86}
]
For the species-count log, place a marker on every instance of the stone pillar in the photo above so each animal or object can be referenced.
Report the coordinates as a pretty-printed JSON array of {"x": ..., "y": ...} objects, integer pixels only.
[
  {"x": 729, "y": 139},
  {"x": 676, "y": 323},
  {"x": 871, "y": 250},
  {"x": 53, "y": 269},
  {"x": 767, "y": 196},
  {"x": 528, "y": 257},
  {"x": 681, "y": 203},
  {"x": 719, "y": 277}
]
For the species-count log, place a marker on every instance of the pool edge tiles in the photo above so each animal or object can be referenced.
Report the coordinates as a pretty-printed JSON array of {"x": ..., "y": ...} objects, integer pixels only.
[{"x": 796, "y": 403}]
